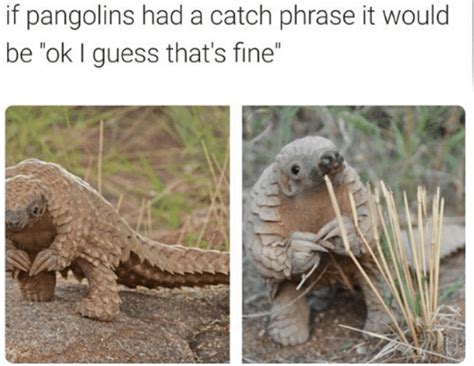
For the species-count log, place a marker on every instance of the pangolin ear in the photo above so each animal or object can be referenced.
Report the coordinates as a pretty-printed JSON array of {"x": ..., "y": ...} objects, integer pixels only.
[
  {"x": 286, "y": 184},
  {"x": 44, "y": 202},
  {"x": 47, "y": 198}
]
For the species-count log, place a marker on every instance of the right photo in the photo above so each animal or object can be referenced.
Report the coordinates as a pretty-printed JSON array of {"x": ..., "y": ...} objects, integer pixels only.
[{"x": 354, "y": 234}]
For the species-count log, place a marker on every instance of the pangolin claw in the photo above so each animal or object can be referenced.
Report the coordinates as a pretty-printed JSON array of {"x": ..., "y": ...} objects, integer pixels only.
[
  {"x": 18, "y": 260},
  {"x": 303, "y": 251},
  {"x": 331, "y": 233},
  {"x": 46, "y": 260}
]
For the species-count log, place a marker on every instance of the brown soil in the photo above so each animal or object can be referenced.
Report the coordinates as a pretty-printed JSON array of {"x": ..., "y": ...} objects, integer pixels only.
[
  {"x": 331, "y": 307},
  {"x": 166, "y": 326}
]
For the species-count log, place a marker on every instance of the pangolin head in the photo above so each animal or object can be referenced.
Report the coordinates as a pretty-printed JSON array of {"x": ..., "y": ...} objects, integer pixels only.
[
  {"x": 303, "y": 163},
  {"x": 25, "y": 202}
]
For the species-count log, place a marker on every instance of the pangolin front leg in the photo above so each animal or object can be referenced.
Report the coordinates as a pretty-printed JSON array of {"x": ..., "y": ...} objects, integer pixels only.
[
  {"x": 331, "y": 232},
  {"x": 37, "y": 288},
  {"x": 102, "y": 301},
  {"x": 304, "y": 251},
  {"x": 33, "y": 288},
  {"x": 289, "y": 322},
  {"x": 48, "y": 260},
  {"x": 16, "y": 259}
]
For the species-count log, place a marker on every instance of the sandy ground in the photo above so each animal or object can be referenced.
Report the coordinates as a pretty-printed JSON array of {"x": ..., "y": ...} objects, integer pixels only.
[
  {"x": 166, "y": 326},
  {"x": 329, "y": 308}
]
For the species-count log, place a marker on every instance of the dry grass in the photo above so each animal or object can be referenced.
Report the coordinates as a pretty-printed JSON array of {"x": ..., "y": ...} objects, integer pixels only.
[
  {"x": 426, "y": 330},
  {"x": 404, "y": 145},
  {"x": 159, "y": 166}
]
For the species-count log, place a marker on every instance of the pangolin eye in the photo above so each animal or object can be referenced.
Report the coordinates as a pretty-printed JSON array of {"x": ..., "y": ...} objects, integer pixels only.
[
  {"x": 295, "y": 169},
  {"x": 36, "y": 210}
]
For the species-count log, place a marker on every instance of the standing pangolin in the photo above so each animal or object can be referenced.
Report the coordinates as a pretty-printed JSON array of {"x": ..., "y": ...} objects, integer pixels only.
[
  {"x": 57, "y": 222},
  {"x": 290, "y": 227}
]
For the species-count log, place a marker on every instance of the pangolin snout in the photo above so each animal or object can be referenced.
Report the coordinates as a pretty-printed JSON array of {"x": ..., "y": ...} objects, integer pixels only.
[
  {"x": 331, "y": 162},
  {"x": 14, "y": 221}
]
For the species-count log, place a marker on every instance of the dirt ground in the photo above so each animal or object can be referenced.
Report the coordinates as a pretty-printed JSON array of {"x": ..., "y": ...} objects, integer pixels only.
[
  {"x": 166, "y": 326},
  {"x": 329, "y": 307}
]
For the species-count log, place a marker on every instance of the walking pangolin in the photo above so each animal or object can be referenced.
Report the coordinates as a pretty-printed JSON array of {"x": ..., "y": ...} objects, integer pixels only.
[
  {"x": 290, "y": 227},
  {"x": 55, "y": 221}
]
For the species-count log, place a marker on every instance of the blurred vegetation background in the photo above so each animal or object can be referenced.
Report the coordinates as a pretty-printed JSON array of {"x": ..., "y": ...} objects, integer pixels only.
[
  {"x": 403, "y": 146},
  {"x": 164, "y": 168}
]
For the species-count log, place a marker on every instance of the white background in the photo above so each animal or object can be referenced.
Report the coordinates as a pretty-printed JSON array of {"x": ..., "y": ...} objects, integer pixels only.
[{"x": 315, "y": 66}]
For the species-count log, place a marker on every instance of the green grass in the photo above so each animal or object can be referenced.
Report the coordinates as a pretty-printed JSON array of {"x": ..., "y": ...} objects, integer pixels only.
[
  {"x": 404, "y": 146},
  {"x": 150, "y": 153}
]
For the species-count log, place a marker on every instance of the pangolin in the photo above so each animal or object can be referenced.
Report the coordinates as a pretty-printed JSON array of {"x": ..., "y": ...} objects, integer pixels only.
[
  {"x": 290, "y": 228},
  {"x": 56, "y": 222}
]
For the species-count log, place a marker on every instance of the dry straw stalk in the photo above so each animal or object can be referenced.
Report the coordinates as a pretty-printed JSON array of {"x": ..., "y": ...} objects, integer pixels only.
[{"x": 413, "y": 284}]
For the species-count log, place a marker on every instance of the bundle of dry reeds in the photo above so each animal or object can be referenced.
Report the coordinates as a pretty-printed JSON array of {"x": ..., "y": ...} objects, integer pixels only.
[{"x": 409, "y": 264}]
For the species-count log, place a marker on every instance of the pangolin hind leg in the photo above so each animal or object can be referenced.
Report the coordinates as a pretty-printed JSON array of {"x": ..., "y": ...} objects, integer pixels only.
[
  {"x": 289, "y": 323},
  {"x": 102, "y": 301},
  {"x": 377, "y": 320},
  {"x": 37, "y": 288}
]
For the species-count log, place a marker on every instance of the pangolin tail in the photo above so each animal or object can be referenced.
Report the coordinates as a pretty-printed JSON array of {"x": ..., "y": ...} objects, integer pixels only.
[{"x": 152, "y": 264}]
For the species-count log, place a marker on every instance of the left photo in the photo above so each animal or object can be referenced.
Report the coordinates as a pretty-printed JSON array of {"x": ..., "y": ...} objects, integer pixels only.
[{"x": 117, "y": 234}]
